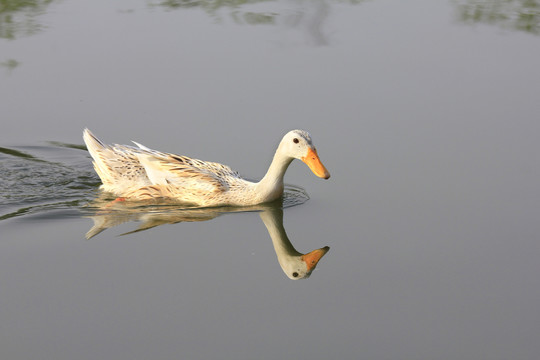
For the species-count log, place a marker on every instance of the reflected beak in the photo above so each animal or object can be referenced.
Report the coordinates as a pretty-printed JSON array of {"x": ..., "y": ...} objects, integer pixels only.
[
  {"x": 311, "y": 259},
  {"x": 312, "y": 160}
]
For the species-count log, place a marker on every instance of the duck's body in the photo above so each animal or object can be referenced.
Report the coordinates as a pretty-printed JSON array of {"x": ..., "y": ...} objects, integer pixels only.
[{"x": 140, "y": 173}]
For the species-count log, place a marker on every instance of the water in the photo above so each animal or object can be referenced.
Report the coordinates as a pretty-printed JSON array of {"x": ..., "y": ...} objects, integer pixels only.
[{"x": 425, "y": 113}]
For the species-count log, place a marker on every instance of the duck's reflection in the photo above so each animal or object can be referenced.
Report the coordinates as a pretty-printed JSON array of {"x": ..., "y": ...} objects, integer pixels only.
[
  {"x": 293, "y": 263},
  {"x": 107, "y": 214}
]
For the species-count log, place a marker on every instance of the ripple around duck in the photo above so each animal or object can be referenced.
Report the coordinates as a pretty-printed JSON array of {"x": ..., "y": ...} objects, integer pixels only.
[
  {"x": 35, "y": 179},
  {"x": 43, "y": 181},
  {"x": 294, "y": 195}
]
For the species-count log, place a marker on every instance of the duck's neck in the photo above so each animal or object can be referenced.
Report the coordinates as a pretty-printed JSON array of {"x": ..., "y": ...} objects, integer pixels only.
[{"x": 271, "y": 185}]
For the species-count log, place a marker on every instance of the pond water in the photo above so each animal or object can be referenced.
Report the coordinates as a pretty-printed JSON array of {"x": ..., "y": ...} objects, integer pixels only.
[{"x": 426, "y": 113}]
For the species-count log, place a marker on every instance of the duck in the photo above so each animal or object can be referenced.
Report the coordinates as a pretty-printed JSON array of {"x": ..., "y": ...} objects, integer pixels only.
[{"x": 140, "y": 173}]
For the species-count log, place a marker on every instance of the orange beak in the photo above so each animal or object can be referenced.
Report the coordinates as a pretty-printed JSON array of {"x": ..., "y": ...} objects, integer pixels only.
[
  {"x": 311, "y": 259},
  {"x": 312, "y": 160}
]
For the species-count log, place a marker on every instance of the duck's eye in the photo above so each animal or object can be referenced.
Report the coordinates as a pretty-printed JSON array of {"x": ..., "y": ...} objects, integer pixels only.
[
  {"x": 295, "y": 274},
  {"x": 296, "y": 141}
]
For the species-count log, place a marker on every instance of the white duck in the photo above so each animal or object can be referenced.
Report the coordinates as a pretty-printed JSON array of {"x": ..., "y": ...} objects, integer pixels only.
[{"x": 140, "y": 173}]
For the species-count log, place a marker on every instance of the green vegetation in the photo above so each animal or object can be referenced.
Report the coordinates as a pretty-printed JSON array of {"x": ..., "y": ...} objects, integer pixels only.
[
  {"x": 18, "y": 17},
  {"x": 521, "y": 15},
  {"x": 10, "y": 64}
]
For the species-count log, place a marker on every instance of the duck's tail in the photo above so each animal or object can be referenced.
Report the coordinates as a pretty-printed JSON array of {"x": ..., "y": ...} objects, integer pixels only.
[
  {"x": 93, "y": 144},
  {"x": 118, "y": 166},
  {"x": 97, "y": 150}
]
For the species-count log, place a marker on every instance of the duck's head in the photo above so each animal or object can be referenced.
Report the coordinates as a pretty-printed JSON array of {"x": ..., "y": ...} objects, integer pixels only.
[
  {"x": 297, "y": 144},
  {"x": 300, "y": 267}
]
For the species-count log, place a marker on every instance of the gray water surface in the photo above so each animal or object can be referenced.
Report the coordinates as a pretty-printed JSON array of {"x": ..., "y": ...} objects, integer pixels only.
[{"x": 426, "y": 113}]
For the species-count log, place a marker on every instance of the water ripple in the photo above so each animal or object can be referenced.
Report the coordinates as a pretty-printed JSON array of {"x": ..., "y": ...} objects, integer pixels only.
[{"x": 42, "y": 178}]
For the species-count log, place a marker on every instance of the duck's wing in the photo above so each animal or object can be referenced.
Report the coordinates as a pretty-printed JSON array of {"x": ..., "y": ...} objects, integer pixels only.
[
  {"x": 185, "y": 173},
  {"x": 124, "y": 168}
]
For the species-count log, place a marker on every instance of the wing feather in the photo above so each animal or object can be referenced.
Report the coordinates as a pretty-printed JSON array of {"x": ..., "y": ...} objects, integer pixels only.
[
  {"x": 184, "y": 173},
  {"x": 135, "y": 171}
]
